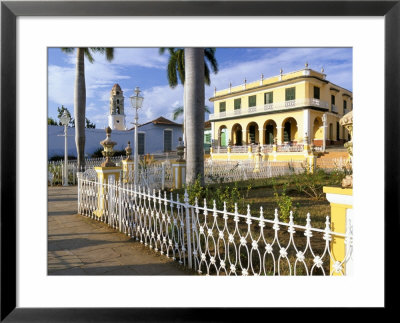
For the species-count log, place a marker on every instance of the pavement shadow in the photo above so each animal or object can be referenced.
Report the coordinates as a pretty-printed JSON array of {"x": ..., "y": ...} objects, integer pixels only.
[{"x": 170, "y": 269}]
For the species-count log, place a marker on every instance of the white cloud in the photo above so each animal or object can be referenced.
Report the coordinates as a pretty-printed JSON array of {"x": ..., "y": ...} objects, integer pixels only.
[
  {"x": 98, "y": 76},
  {"x": 289, "y": 60},
  {"x": 61, "y": 85},
  {"x": 145, "y": 57},
  {"x": 161, "y": 100},
  {"x": 158, "y": 101}
]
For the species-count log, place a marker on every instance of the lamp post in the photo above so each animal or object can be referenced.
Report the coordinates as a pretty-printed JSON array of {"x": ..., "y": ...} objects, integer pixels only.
[
  {"x": 65, "y": 119},
  {"x": 136, "y": 102}
]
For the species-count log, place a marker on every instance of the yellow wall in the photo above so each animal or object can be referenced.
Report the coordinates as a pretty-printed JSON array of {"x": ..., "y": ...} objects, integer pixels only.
[
  {"x": 304, "y": 90},
  {"x": 261, "y": 122}
]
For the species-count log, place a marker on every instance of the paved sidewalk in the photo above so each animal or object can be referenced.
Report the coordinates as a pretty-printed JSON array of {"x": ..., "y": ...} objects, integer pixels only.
[{"x": 81, "y": 246}]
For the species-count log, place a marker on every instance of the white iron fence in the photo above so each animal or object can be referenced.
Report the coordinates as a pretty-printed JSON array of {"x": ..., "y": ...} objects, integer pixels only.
[
  {"x": 233, "y": 171},
  {"x": 212, "y": 241},
  {"x": 158, "y": 175}
]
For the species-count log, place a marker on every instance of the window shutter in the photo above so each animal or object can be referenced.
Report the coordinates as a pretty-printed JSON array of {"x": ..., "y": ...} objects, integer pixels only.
[
  {"x": 141, "y": 143},
  {"x": 316, "y": 92},
  {"x": 290, "y": 94},
  {"x": 268, "y": 97},
  {"x": 237, "y": 104},
  {"x": 167, "y": 140},
  {"x": 252, "y": 101}
]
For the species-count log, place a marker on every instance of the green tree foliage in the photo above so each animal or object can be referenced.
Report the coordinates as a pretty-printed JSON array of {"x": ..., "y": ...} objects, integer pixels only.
[
  {"x": 51, "y": 122},
  {"x": 90, "y": 124},
  {"x": 179, "y": 111},
  {"x": 176, "y": 65},
  {"x": 285, "y": 203},
  {"x": 228, "y": 193}
]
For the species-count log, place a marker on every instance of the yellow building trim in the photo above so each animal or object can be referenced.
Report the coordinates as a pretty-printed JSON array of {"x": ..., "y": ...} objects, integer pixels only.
[
  {"x": 338, "y": 190},
  {"x": 339, "y": 214}
]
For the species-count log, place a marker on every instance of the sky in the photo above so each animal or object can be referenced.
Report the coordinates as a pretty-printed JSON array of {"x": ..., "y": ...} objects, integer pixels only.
[{"x": 147, "y": 69}]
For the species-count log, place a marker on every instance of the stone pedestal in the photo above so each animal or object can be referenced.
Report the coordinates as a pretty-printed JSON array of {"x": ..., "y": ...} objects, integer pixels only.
[
  {"x": 104, "y": 174},
  {"x": 179, "y": 173},
  {"x": 127, "y": 171},
  {"x": 341, "y": 200}
]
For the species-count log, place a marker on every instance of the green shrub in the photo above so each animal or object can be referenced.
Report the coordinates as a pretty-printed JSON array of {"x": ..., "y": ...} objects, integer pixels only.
[
  {"x": 61, "y": 158},
  {"x": 285, "y": 204},
  {"x": 312, "y": 183},
  {"x": 228, "y": 193},
  {"x": 98, "y": 153}
]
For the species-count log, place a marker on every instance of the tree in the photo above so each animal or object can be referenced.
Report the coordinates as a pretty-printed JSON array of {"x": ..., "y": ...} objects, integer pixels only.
[
  {"x": 179, "y": 111},
  {"x": 176, "y": 67},
  {"x": 51, "y": 121},
  {"x": 80, "y": 94},
  {"x": 89, "y": 124},
  {"x": 194, "y": 114},
  {"x": 61, "y": 112}
]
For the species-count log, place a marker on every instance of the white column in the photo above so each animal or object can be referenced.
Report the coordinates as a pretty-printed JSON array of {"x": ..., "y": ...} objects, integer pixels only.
[
  {"x": 306, "y": 124},
  {"x": 228, "y": 136},
  {"x": 324, "y": 131},
  {"x": 279, "y": 134},
  {"x": 212, "y": 132}
]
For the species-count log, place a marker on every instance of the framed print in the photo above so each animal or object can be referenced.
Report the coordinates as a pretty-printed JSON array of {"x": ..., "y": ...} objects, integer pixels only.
[{"x": 366, "y": 33}]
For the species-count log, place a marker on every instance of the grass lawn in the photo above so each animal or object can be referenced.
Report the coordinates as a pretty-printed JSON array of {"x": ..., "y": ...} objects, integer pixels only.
[{"x": 260, "y": 193}]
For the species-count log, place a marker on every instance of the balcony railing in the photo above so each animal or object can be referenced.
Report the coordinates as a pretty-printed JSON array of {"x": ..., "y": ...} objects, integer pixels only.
[
  {"x": 265, "y": 149},
  {"x": 290, "y": 148},
  {"x": 292, "y": 104},
  {"x": 334, "y": 108}
]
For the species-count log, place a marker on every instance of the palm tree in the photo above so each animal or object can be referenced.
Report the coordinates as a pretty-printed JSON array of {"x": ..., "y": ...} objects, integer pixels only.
[
  {"x": 179, "y": 111},
  {"x": 80, "y": 94},
  {"x": 194, "y": 113},
  {"x": 176, "y": 67}
]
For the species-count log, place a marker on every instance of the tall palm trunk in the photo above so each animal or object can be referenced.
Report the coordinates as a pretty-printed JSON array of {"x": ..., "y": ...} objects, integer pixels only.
[
  {"x": 184, "y": 124},
  {"x": 194, "y": 113},
  {"x": 80, "y": 107}
]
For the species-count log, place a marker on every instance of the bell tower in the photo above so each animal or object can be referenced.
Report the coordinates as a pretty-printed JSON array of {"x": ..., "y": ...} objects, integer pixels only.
[{"x": 116, "y": 117}]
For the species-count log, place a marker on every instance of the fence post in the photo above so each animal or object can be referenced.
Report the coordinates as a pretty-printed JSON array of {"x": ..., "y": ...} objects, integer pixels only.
[
  {"x": 79, "y": 192},
  {"x": 163, "y": 175},
  {"x": 341, "y": 200},
  {"x": 119, "y": 192},
  {"x": 188, "y": 230}
]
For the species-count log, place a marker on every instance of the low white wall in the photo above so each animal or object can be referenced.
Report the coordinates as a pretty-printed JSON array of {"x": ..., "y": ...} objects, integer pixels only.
[{"x": 93, "y": 137}]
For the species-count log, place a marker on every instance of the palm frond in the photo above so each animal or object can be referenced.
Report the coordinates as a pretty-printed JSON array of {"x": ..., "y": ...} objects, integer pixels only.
[
  {"x": 181, "y": 64},
  {"x": 109, "y": 53},
  {"x": 209, "y": 54},
  {"x": 88, "y": 55},
  {"x": 177, "y": 112},
  {"x": 171, "y": 72},
  {"x": 68, "y": 49},
  {"x": 206, "y": 74}
]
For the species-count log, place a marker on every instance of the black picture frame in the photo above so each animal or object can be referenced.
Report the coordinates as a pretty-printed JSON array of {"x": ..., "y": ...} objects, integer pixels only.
[{"x": 10, "y": 10}]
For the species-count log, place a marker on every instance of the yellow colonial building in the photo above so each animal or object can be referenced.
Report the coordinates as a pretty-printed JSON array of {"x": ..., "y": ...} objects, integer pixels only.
[{"x": 288, "y": 110}]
